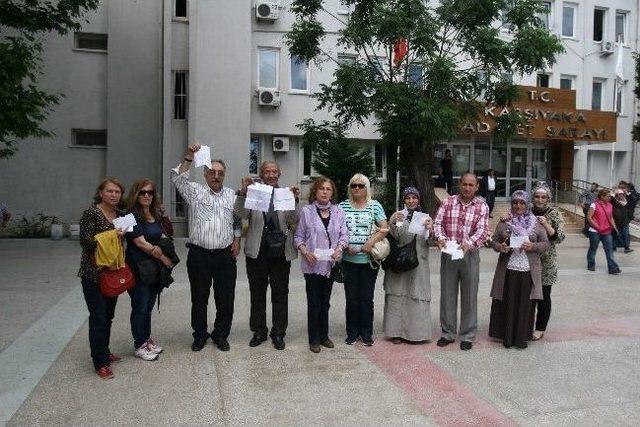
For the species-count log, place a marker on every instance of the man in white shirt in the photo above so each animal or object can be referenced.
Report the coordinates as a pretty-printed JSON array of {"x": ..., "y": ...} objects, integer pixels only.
[
  {"x": 488, "y": 189},
  {"x": 214, "y": 244}
]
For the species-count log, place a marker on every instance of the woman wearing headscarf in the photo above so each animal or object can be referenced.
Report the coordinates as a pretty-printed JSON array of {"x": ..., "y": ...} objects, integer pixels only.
[
  {"x": 517, "y": 282},
  {"x": 601, "y": 225},
  {"x": 551, "y": 219},
  {"x": 407, "y": 311}
]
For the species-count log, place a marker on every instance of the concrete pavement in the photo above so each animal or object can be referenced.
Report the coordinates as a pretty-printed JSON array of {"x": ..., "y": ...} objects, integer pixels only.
[{"x": 585, "y": 371}]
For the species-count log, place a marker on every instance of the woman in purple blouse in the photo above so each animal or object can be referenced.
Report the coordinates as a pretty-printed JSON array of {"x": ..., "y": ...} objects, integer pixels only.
[{"x": 320, "y": 237}]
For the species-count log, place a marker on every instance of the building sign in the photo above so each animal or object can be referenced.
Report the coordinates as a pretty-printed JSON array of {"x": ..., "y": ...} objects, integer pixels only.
[{"x": 550, "y": 114}]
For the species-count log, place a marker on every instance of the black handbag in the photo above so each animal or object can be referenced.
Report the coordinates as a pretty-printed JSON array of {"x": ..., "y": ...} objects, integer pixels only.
[
  {"x": 148, "y": 271},
  {"x": 401, "y": 258}
]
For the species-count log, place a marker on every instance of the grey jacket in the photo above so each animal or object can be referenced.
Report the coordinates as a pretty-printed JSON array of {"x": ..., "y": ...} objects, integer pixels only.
[
  {"x": 287, "y": 219},
  {"x": 540, "y": 243}
]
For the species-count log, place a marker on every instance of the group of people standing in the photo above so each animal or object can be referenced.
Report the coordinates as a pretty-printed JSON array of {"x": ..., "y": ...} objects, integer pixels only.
[{"x": 335, "y": 240}]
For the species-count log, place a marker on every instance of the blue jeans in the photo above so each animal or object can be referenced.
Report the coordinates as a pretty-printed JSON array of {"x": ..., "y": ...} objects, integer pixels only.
[
  {"x": 101, "y": 311},
  {"x": 607, "y": 245},
  {"x": 143, "y": 298},
  {"x": 623, "y": 239}
]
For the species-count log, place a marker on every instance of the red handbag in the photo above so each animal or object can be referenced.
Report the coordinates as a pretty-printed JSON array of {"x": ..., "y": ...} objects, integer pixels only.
[{"x": 115, "y": 282}]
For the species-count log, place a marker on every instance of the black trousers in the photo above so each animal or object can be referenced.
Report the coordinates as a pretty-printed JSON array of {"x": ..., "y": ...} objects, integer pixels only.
[
  {"x": 318, "y": 295},
  {"x": 101, "y": 311},
  {"x": 262, "y": 273},
  {"x": 205, "y": 266},
  {"x": 491, "y": 200},
  {"x": 544, "y": 309},
  {"x": 359, "y": 285}
]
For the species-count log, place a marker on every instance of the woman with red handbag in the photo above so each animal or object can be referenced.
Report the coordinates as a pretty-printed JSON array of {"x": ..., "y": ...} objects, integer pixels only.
[
  {"x": 143, "y": 255},
  {"x": 107, "y": 203}
]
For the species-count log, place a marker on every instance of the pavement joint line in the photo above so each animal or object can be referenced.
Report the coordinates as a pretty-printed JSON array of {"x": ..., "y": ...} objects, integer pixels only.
[{"x": 26, "y": 360}]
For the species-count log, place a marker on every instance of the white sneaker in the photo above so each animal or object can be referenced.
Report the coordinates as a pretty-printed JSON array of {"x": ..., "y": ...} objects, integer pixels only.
[
  {"x": 145, "y": 353},
  {"x": 154, "y": 347}
]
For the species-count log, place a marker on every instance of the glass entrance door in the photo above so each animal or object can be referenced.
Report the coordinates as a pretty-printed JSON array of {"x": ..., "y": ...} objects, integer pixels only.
[{"x": 518, "y": 170}]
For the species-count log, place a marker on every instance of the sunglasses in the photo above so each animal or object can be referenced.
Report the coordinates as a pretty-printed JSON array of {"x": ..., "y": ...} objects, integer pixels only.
[
  {"x": 358, "y": 186},
  {"x": 147, "y": 193}
]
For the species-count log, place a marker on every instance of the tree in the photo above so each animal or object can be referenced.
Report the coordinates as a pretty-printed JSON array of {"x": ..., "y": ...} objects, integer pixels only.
[
  {"x": 23, "y": 106},
  {"x": 334, "y": 155},
  {"x": 458, "y": 52}
]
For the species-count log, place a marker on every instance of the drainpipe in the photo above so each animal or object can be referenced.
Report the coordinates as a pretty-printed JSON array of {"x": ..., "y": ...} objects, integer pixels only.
[{"x": 632, "y": 175}]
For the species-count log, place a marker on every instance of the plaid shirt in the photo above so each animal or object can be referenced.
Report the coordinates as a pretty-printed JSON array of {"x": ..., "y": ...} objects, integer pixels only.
[{"x": 463, "y": 223}]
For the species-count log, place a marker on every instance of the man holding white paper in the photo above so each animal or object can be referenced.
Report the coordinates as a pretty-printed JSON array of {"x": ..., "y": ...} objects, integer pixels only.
[
  {"x": 214, "y": 244},
  {"x": 462, "y": 219},
  {"x": 269, "y": 251}
]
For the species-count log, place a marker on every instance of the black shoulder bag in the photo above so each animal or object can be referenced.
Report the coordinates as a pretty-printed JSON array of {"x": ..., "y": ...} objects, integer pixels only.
[
  {"x": 336, "y": 274},
  {"x": 401, "y": 258},
  {"x": 274, "y": 240}
]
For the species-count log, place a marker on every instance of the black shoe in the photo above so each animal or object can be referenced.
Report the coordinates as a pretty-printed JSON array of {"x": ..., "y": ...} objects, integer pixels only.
[
  {"x": 628, "y": 250},
  {"x": 222, "y": 344},
  {"x": 443, "y": 342},
  {"x": 257, "y": 340},
  {"x": 591, "y": 268},
  {"x": 350, "y": 341},
  {"x": 466, "y": 345},
  {"x": 198, "y": 344},
  {"x": 617, "y": 271},
  {"x": 278, "y": 342},
  {"x": 315, "y": 348},
  {"x": 368, "y": 342},
  {"x": 327, "y": 343}
]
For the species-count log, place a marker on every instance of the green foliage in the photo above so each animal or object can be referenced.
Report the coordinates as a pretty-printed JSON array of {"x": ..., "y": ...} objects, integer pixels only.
[
  {"x": 33, "y": 226},
  {"x": 23, "y": 107},
  {"x": 334, "y": 155},
  {"x": 458, "y": 50}
]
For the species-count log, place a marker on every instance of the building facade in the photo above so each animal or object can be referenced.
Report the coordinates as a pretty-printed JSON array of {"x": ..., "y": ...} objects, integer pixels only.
[{"x": 144, "y": 79}]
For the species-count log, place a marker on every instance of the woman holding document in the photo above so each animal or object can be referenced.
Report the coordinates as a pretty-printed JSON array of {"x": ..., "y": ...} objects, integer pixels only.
[
  {"x": 407, "y": 311},
  {"x": 517, "y": 282},
  {"x": 321, "y": 236}
]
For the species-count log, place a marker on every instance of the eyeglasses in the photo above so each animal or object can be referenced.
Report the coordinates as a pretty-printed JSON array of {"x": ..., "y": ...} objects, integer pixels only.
[
  {"x": 147, "y": 193},
  {"x": 540, "y": 196},
  {"x": 361, "y": 186}
]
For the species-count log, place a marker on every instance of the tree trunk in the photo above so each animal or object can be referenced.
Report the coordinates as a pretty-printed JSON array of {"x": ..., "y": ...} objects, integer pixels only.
[{"x": 418, "y": 158}]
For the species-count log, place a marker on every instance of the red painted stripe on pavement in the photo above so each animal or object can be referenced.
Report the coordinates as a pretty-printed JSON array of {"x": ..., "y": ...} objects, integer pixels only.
[{"x": 447, "y": 401}]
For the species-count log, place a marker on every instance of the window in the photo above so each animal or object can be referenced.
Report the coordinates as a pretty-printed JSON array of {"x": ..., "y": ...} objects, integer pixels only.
[
  {"x": 307, "y": 159},
  {"x": 180, "y": 9},
  {"x": 566, "y": 82},
  {"x": 414, "y": 76},
  {"x": 179, "y": 206},
  {"x": 89, "y": 137},
  {"x": 268, "y": 68},
  {"x": 542, "y": 80},
  {"x": 596, "y": 94},
  {"x": 91, "y": 41},
  {"x": 380, "y": 161},
  {"x": 545, "y": 16},
  {"x": 299, "y": 74},
  {"x": 345, "y": 58},
  {"x": 180, "y": 95},
  {"x": 254, "y": 155},
  {"x": 621, "y": 26},
  {"x": 620, "y": 99},
  {"x": 569, "y": 12},
  {"x": 599, "y": 19}
]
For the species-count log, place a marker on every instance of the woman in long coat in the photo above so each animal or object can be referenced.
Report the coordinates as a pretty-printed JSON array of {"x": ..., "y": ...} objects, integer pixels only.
[{"x": 407, "y": 303}]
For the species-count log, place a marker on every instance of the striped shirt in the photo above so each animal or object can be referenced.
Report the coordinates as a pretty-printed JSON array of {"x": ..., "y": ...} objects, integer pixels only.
[
  {"x": 361, "y": 224},
  {"x": 463, "y": 223},
  {"x": 212, "y": 223}
]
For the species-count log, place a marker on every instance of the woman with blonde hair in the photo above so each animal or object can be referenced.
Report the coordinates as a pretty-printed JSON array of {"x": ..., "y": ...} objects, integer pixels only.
[
  {"x": 367, "y": 225},
  {"x": 142, "y": 248},
  {"x": 321, "y": 229}
]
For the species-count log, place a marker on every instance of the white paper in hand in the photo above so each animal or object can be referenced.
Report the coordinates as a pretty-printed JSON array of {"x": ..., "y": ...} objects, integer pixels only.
[
  {"x": 283, "y": 199},
  {"x": 202, "y": 157},
  {"x": 416, "y": 226},
  {"x": 452, "y": 248},
  {"x": 258, "y": 197},
  {"x": 323, "y": 254},
  {"x": 125, "y": 223},
  {"x": 515, "y": 242}
]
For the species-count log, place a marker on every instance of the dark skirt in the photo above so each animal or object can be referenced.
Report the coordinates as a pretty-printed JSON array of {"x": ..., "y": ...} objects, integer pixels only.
[{"x": 511, "y": 319}]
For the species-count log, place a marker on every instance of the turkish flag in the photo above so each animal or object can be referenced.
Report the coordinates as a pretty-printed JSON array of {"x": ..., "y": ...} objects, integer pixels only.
[{"x": 400, "y": 50}]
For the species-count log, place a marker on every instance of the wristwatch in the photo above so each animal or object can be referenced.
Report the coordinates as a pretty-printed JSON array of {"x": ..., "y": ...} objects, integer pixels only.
[{"x": 186, "y": 159}]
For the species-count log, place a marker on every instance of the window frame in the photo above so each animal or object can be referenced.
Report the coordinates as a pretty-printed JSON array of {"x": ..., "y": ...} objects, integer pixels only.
[
  {"x": 569, "y": 77},
  {"x": 573, "y": 6},
  {"x": 384, "y": 164},
  {"x": 293, "y": 90},
  {"x": 620, "y": 96},
  {"x": 548, "y": 75},
  {"x": 605, "y": 12},
  {"x": 549, "y": 15},
  {"x": 174, "y": 15},
  {"x": 74, "y": 136},
  {"x": 184, "y": 96},
  {"x": 78, "y": 34},
  {"x": 277, "y": 71},
  {"x": 602, "y": 82},
  {"x": 259, "y": 140},
  {"x": 625, "y": 26}
]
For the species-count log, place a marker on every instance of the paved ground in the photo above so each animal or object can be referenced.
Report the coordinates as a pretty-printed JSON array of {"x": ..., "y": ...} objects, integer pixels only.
[{"x": 585, "y": 371}]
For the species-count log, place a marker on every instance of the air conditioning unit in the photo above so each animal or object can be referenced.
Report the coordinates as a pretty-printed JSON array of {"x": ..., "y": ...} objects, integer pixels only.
[
  {"x": 281, "y": 143},
  {"x": 268, "y": 97},
  {"x": 267, "y": 10},
  {"x": 607, "y": 47}
]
